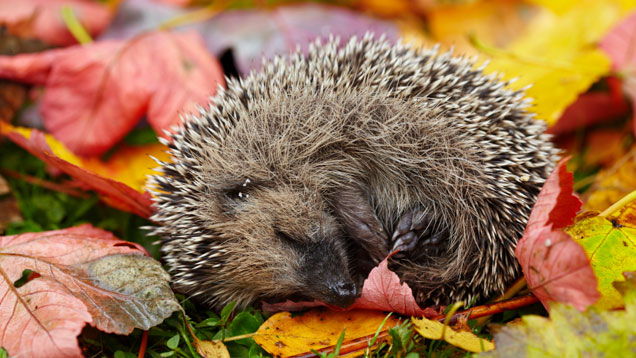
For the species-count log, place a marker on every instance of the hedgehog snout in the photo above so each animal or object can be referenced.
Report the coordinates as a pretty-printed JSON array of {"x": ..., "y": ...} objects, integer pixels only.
[{"x": 326, "y": 273}]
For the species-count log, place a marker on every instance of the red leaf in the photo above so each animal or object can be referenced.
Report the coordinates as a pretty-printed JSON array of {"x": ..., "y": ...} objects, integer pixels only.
[
  {"x": 620, "y": 45},
  {"x": 46, "y": 23},
  {"x": 97, "y": 93},
  {"x": 113, "y": 192},
  {"x": 43, "y": 317},
  {"x": 590, "y": 108},
  {"x": 383, "y": 291},
  {"x": 555, "y": 267}
]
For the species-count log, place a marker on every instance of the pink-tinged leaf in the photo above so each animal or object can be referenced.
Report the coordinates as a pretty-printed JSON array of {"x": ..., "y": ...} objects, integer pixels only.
[
  {"x": 620, "y": 46},
  {"x": 555, "y": 267},
  {"x": 383, "y": 291},
  {"x": 112, "y": 192},
  {"x": 590, "y": 108},
  {"x": 46, "y": 23},
  {"x": 95, "y": 94},
  {"x": 85, "y": 275},
  {"x": 256, "y": 34}
]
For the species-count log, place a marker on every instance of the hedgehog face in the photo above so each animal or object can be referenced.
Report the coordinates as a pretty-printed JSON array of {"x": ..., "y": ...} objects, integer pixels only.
[{"x": 274, "y": 232}]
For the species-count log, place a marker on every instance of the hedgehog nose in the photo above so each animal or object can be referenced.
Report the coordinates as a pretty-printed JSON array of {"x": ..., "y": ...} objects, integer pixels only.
[{"x": 342, "y": 294}]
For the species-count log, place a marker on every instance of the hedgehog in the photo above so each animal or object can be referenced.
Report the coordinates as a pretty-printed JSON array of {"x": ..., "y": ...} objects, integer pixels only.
[{"x": 300, "y": 178}]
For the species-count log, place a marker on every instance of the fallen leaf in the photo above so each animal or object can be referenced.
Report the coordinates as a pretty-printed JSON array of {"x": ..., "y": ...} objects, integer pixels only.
[
  {"x": 613, "y": 183},
  {"x": 619, "y": 46},
  {"x": 610, "y": 244},
  {"x": 86, "y": 275},
  {"x": 462, "y": 339},
  {"x": 555, "y": 267},
  {"x": 383, "y": 291},
  {"x": 210, "y": 349},
  {"x": 284, "y": 335},
  {"x": 113, "y": 192},
  {"x": 256, "y": 34},
  {"x": 45, "y": 22},
  {"x": 570, "y": 333},
  {"x": 588, "y": 109},
  {"x": 97, "y": 93},
  {"x": 557, "y": 56}
]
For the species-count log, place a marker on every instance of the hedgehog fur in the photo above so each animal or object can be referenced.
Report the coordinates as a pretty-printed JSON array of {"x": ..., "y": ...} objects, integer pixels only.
[{"x": 298, "y": 179}]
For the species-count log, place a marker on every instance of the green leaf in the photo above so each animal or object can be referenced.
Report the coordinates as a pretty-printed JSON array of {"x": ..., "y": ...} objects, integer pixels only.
[
  {"x": 227, "y": 310},
  {"x": 244, "y": 323},
  {"x": 173, "y": 342}
]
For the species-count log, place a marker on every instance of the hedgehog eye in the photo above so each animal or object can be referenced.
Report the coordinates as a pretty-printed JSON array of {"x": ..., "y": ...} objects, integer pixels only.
[{"x": 239, "y": 192}]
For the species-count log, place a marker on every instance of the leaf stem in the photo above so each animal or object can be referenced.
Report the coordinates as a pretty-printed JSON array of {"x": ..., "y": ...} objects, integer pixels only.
[
  {"x": 619, "y": 204},
  {"x": 195, "y": 16},
  {"x": 74, "y": 26}
]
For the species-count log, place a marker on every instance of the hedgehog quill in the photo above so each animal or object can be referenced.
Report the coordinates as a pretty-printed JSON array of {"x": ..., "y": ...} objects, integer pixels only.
[{"x": 297, "y": 180}]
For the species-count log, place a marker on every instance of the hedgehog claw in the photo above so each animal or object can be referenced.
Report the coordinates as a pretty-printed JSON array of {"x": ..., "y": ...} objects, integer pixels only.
[{"x": 413, "y": 230}]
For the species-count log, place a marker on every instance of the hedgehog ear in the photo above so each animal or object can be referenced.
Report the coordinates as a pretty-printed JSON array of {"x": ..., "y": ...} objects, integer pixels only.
[{"x": 353, "y": 210}]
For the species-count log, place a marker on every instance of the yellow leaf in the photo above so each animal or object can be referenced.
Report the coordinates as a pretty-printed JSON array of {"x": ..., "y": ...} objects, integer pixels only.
[
  {"x": 464, "y": 340},
  {"x": 283, "y": 335},
  {"x": 610, "y": 244},
  {"x": 558, "y": 55},
  {"x": 210, "y": 349}
]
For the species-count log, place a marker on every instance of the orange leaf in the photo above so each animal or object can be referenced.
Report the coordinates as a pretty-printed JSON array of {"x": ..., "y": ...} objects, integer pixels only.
[{"x": 86, "y": 275}]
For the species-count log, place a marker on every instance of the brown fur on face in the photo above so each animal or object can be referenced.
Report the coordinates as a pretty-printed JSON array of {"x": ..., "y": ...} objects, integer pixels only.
[{"x": 293, "y": 182}]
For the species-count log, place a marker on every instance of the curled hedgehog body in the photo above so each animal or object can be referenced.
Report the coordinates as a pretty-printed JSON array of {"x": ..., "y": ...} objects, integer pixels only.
[{"x": 300, "y": 178}]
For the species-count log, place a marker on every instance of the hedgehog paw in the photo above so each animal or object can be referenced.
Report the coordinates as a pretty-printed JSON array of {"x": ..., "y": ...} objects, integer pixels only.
[{"x": 414, "y": 229}]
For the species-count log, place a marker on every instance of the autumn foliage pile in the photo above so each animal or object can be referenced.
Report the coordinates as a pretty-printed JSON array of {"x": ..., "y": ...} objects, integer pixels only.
[{"x": 80, "y": 78}]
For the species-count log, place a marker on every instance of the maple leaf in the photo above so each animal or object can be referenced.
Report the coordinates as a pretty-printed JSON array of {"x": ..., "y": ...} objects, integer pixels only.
[
  {"x": 97, "y": 93},
  {"x": 86, "y": 275},
  {"x": 113, "y": 192},
  {"x": 45, "y": 22},
  {"x": 555, "y": 267}
]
